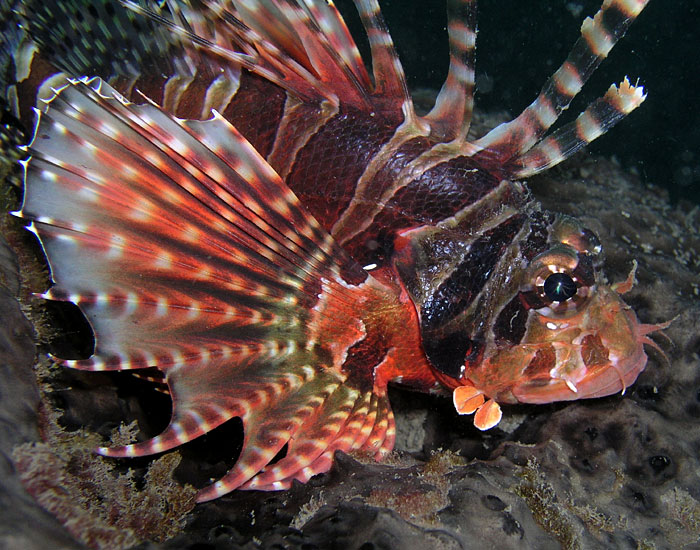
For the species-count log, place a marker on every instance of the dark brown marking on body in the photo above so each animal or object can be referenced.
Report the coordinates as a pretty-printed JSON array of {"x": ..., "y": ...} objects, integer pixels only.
[
  {"x": 256, "y": 111},
  {"x": 457, "y": 292},
  {"x": 510, "y": 324},
  {"x": 328, "y": 167}
]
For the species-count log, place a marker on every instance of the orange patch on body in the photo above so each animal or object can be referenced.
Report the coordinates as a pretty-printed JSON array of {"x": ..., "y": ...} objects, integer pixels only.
[{"x": 593, "y": 352}]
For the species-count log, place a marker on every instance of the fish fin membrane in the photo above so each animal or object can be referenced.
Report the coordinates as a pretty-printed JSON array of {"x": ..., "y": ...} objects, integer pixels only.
[
  {"x": 187, "y": 252},
  {"x": 302, "y": 46}
]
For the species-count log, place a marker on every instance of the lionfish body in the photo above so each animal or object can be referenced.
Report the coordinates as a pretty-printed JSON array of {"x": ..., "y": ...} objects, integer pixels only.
[{"x": 281, "y": 236}]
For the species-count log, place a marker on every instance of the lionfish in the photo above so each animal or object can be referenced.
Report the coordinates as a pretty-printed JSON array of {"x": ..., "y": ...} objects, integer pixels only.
[{"x": 235, "y": 202}]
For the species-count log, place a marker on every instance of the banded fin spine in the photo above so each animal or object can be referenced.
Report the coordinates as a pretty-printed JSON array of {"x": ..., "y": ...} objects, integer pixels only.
[
  {"x": 187, "y": 253},
  {"x": 510, "y": 142},
  {"x": 389, "y": 77},
  {"x": 188, "y": 56},
  {"x": 451, "y": 116},
  {"x": 303, "y": 47},
  {"x": 598, "y": 117}
]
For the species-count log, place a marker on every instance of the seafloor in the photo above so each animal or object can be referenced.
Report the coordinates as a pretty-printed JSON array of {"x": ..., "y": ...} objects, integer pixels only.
[{"x": 617, "y": 472}]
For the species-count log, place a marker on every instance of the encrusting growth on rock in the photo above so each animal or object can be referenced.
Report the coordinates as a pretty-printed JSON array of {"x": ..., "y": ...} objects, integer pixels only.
[{"x": 99, "y": 505}]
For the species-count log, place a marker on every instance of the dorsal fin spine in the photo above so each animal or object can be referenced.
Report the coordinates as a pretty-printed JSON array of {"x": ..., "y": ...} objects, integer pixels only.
[
  {"x": 451, "y": 116},
  {"x": 511, "y": 140},
  {"x": 389, "y": 77}
]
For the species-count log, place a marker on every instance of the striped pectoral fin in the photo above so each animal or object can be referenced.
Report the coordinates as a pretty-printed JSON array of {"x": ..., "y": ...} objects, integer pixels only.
[
  {"x": 188, "y": 253},
  {"x": 335, "y": 425},
  {"x": 380, "y": 440},
  {"x": 356, "y": 417},
  {"x": 599, "y": 34},
  {"x": 369, "y": 428},
  {"x": 283, "y": 413},
  {"x": 313, "y": 412}
]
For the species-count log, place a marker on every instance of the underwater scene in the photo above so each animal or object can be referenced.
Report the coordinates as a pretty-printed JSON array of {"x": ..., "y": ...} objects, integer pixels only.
[{"x": 363, "y": 274}]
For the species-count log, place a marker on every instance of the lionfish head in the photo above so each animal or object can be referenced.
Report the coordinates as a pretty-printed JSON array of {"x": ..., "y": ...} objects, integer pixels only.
[
  {"x": 544, "y": 326},
  {"x": 580, "y": 340}
]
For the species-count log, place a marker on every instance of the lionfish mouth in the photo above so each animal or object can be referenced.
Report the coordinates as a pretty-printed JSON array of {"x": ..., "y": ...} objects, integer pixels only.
[
  {"x": 598, "y": 351},
  {"x": 603, "y": 360}
]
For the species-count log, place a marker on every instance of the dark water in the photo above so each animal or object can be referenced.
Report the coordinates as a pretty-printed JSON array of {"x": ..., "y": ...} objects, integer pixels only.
[{"x": 521, "y": 43}]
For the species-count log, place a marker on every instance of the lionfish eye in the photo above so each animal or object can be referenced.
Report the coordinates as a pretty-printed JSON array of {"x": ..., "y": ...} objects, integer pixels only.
[
  {"x": 560, "y": 282},
  {"x": 559, "y": 287}
]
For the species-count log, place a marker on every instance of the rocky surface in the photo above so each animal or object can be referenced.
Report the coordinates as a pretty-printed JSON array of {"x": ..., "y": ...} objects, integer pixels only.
[
  {"x": 617, "y": 472},
  {"x": 23, "y": 523}
]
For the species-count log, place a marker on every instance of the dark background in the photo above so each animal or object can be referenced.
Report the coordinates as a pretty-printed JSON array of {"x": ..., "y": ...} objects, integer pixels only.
[{"x": 520, "y": 43}]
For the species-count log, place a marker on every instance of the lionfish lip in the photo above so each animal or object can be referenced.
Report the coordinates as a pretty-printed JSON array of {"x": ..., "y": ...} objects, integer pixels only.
[{"x": 615, "y": 376}]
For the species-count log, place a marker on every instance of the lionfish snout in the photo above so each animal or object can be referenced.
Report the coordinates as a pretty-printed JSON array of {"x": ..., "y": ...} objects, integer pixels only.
[{"x": 598, "y": 352}]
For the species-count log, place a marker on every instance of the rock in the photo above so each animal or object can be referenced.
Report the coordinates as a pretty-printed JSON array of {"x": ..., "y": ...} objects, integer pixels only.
[{"x": 23, "y": 523}]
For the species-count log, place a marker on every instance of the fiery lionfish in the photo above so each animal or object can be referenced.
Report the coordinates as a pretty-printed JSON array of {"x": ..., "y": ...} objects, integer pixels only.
[{"x": 233, "y": 200}]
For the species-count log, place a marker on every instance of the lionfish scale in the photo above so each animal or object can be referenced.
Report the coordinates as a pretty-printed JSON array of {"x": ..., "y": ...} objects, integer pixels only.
[{"x": 236, "y": 203}]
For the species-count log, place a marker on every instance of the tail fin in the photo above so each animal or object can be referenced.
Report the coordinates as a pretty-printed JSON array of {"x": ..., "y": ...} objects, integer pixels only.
[{"x": 188, "y": 253}]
